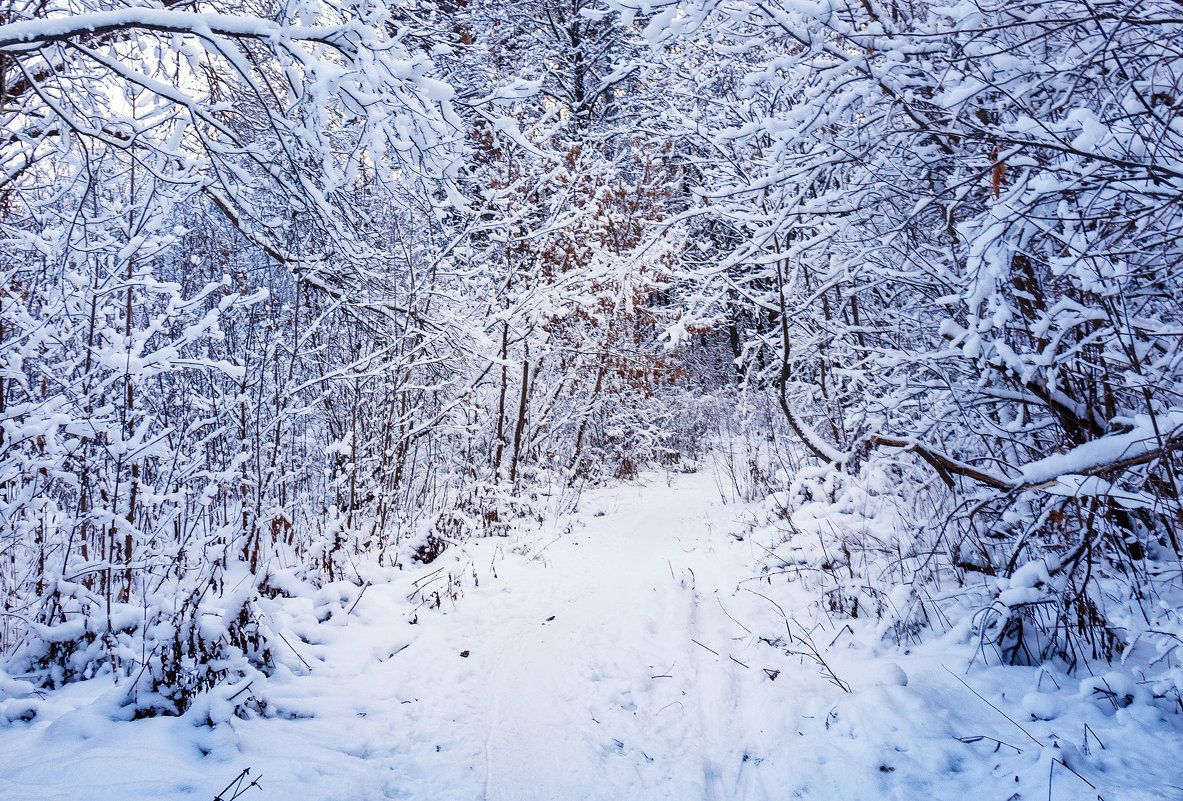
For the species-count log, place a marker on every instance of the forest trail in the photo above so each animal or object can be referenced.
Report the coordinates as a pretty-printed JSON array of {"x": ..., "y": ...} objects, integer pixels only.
[
  {"x": 628, "y": 653},
  {"x": 593, "y": 659},
  {"x": 597, "y": 667},
  {"x": 635, "y": 655}
]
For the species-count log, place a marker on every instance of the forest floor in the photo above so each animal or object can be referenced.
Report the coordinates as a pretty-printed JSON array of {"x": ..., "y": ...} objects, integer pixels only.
[{"x": 627, "y": 652}]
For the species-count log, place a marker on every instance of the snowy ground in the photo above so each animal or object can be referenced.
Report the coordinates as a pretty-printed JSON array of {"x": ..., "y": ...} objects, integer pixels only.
[{"x": 630, "y": 656}]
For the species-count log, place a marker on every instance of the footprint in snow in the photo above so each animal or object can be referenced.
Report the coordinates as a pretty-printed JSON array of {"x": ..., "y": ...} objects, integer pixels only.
[{"x": 626, "y": 701}]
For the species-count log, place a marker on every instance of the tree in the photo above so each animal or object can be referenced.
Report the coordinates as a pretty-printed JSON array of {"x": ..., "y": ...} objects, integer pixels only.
[
  {"x": 960, "y": 235},
  {"x": 142, "y": 459}
]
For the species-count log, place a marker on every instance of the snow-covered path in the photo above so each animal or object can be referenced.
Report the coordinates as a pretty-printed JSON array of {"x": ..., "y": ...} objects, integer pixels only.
[
  {"x": 630, "y": 656},
  {"x": 597, "y": 668},
  {"x": 564, "y": 678}
]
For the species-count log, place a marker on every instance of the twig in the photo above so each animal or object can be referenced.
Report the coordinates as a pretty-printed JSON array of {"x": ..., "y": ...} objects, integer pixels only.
[
  {"x": 783, "y": 562},
  {"x": 733, "y": 620},
  {"x": 144, "y": 667},
  {"x": 1064, "y": 765},
  {"x": 246, "y": 687},
  {"x": 235, "y": 787},
  {"x": 1087, "y": 731},
  {"x": 996, "y": 709},
  {"x": 415, "y": 583},
  {"x": 817, "y": 657},
  {"x": 778, "y": 609},
  {"x": 696, "y": 642},
  {"x": 356, "y": 600},
  {"x": 294, "y": 651},
  {"x": 537, "y": 555},
  {"x": 975, "y": 738},
  {"x": 839, "y": 634}
]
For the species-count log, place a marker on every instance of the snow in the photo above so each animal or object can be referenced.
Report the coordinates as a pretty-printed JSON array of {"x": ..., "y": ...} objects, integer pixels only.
[
  {"x": 1106, "y": 450},
  {"x": 630, "y": 651},
  {"x": 181, "y": 21}
]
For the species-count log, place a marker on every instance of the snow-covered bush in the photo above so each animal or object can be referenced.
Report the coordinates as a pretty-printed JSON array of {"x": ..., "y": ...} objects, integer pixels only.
[
  {"x": 152, "y": 180},
  {"x": 952, "y": 233}
]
